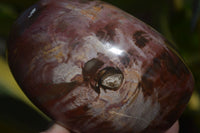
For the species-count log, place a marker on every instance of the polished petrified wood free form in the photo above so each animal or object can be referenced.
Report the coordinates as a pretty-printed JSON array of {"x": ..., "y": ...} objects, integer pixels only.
[{"x": 94, "y": 68}]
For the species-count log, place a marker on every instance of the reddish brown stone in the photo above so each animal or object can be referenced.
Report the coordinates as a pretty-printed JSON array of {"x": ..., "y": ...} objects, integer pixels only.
[{"x": 95, "y": 69}]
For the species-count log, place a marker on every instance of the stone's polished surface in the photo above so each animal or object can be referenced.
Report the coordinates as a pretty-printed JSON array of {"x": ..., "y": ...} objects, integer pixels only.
[{"x": 95, "y": 69}]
